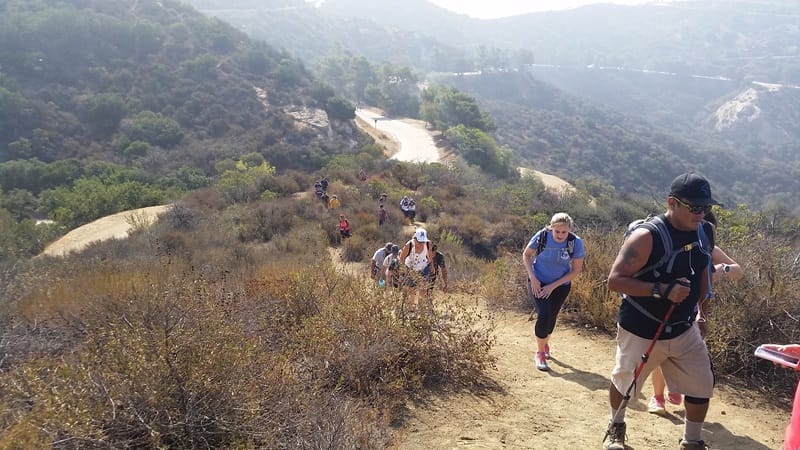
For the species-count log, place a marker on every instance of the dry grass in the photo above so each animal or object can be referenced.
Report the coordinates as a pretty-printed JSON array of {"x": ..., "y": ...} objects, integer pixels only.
[{"x": 228, "y": 327}]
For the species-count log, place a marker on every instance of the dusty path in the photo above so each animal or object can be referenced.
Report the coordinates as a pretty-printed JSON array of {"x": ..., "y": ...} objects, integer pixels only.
[
  {"x": 416, "y": 141},
  {"x": 115, "y": 226},
  {"x": 566, "y": 408}
]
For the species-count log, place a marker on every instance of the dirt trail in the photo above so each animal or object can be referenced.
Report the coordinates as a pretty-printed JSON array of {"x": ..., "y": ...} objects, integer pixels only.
[
  {"x": 115, "y": 226},
  {"x": 566, "y": 408}
]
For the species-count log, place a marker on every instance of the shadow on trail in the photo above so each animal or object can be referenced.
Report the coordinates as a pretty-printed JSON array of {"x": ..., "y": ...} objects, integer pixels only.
[
  {"x": 714, "y": 432},
  {"x": 720, "y": 437},
  {"x": 589, "y": 380}
]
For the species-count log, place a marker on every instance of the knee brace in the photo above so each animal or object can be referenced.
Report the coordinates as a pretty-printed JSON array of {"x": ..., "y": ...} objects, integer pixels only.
[{"x": 695, "y": 400}]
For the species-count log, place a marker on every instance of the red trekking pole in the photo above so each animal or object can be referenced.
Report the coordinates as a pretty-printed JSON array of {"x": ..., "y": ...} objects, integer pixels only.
[{"x": 639, "y": 368}]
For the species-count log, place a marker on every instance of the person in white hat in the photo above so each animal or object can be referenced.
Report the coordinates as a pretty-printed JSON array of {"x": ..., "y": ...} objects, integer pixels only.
[{"x": 417, "y": 256}]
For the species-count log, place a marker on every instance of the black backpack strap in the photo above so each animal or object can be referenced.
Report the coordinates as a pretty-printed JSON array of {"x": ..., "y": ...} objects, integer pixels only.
[
  {"x": 657, "y": 225},
  {"x": 542, "y": 240},
  {"x": 570, "y": 244},
  {"x": 646, "y": 313}
]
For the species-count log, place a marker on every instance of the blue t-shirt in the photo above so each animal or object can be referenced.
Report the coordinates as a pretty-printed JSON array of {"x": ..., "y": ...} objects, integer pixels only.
[{"x": 554, "y": 261}]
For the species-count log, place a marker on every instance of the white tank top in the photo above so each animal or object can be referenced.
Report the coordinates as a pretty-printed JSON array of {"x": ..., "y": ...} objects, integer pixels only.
[{"x": 417, "y": 261}]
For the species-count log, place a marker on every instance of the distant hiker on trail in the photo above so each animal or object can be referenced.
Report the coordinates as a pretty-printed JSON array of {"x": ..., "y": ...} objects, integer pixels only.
[
  {"x": 553, "y": 258},
  {"x": 391, "y": 268},
  {"x": 362, "y": 174},
  {"x": 376, "y": 263},
  {"x": 417, "y": 256},
  {"x": 663, "y": 315},
  {"x": 412, "y": 210},
  {"x": 334, "y": 202},
  {"x": 318, "y": 191},
  {"x": 383, "y": 215},
  {"x": 344, "y": 226},
  {"x": 438, "y": 266},
  {"x": 724, "y": 268},
  {"x": 382, "y": 199},
  {"x": 324, "y": 183},
  {"x": 404, "y": 205}
]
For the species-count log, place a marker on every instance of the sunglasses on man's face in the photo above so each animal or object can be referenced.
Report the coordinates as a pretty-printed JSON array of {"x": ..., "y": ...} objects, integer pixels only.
[{"x": 694, "y": 209}]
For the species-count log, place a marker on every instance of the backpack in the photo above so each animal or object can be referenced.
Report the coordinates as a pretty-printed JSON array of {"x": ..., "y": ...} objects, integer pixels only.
[
  {"x": 410, "y": 245},
  {"x": 543, "y": 242},
  {"x": 665, "y": 263}
]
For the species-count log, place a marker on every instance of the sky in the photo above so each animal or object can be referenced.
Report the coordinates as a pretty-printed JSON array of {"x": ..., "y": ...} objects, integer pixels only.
[{"x": 492, "y": 9}]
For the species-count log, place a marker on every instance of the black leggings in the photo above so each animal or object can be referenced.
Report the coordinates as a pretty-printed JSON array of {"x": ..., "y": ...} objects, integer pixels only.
[{"x": 548, "y": 309}]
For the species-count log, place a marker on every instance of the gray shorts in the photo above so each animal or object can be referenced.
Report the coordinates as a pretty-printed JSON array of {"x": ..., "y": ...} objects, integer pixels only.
[{"x": 684, "y": 360}]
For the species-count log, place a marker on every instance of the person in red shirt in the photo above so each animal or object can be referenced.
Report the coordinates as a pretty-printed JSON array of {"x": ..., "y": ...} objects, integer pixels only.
[{"x": 344, "y": 226}]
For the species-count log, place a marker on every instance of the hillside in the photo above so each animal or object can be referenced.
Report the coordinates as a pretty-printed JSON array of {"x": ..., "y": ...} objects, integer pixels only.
[
  {"x": 624, "y": 98},
  {"x": 108, "y": 105}
]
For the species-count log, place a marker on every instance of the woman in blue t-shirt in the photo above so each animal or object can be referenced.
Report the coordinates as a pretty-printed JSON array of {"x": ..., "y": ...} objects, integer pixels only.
[{"x": 552, "y": 258}]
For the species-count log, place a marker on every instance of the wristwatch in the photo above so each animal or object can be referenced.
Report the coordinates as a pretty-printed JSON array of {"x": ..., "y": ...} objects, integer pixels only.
[
  {"x": 656, "y": 293},
  {"x": 726, "y": 268}
]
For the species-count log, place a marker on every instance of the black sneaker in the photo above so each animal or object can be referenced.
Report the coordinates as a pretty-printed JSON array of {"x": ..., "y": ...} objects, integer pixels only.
[
  {"x": 616, "y": 437},
  {"x": 693, "y": 445}
]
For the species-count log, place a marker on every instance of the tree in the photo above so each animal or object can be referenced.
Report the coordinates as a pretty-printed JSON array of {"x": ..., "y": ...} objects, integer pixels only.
[
  {"x": 102, "y": 112},
  {"x": 478, "y": 148},
  {"x": 155, "y": 129},
  {"x": 340, "y": 109},
  {"x": 244, "y": 183}
]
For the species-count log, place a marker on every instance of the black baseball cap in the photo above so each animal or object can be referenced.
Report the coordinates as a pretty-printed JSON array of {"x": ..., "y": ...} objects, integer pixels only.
[{"x": 693, "y": 189}]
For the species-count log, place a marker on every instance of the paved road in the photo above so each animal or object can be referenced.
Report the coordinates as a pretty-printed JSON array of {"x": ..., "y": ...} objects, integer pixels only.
[{"x": 416, "y": 142}]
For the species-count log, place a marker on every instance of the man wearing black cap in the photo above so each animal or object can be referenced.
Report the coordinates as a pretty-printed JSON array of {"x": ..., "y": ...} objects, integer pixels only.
[{"x": 671, "y": 293}]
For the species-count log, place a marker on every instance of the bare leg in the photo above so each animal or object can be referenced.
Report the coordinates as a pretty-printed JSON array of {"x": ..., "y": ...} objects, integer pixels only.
[
  {"x": 614, "y": 396},
  {"x": 658, "y": 383},
  {"x": 695, "y": 412}
]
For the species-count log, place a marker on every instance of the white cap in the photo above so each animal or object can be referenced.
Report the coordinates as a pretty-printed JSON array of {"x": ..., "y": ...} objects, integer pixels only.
[{"x": 421, "y": 235}]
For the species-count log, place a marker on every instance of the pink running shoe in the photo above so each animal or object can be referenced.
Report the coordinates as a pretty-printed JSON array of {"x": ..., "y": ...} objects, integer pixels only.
[
  {"x": 674, "y": 398},
  {"x": 656, "y": 406},
  {"x": 541, "y": 361}
]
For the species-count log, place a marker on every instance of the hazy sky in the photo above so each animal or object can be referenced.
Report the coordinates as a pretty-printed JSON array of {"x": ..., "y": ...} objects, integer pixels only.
[{"x": 489, "y": 9}]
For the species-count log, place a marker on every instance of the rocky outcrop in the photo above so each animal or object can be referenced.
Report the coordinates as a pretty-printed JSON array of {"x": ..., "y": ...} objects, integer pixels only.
[{"x": 764, "y": 112}]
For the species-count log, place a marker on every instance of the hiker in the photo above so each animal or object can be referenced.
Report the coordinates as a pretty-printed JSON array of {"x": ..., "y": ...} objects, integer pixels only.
[
  {"x": 344, "y": 226},
  {"x": 417, "y": 256},
  {"x": 391, "y": 268},
  {"x": 553, "y": 258},
  {"x": 376, "y": 263},
  {"x": 404, "y": 205},
  {"x": 438, "y": 266},
  {"x": 334, "y": 202},
  {"x": 656, "y": 322},
  {"x": 725, "y": 268},
  {"x": 324, "y": 183},
  {"x": 318, "y": 191},
  {"x": 412, "y": 209},
  {"x": 791, "y": 437},
  {"x": 382, "y": 199},
  {"x": 362, "y": 174},
  {"x": 383, "y": 215}
]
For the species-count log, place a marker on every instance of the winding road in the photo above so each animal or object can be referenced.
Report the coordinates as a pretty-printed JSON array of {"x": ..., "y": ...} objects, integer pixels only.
[{"x": 416, "y": 142}]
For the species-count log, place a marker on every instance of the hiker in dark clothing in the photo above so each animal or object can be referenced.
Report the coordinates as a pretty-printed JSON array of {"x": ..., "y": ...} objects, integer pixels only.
[
  {"x": 324, "y": 183},
  {"x": 383, "y": 215},
  {"x": 438, "y": 266},
  {"x": 664, "y": 310}
]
